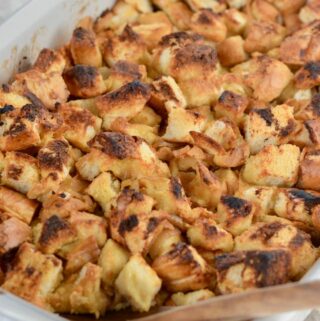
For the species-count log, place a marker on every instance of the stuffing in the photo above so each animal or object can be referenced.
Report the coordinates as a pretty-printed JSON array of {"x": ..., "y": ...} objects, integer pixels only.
[
  {"x": 17, "y": 205},
  {"x": 20, "y": 171},
  {"x": 262, "y": 236},
  {"x": 128, "y": 46},
  {"x": 309, "y": 169},
  {"x": 180, "y": 298},
  {"x": 207, "y": 234},
  {"x": 10, "y": 98},
  {"x": 84, "y": 81},
  {"x": 214, "y": 5},
  {"x": 48, "y": 88},
  {"x": 115, "y": 103},
  {"x": 235, "y": 214},
  {"x": 138, "y": 283},
  {"x": 103, "y": 189},
  {"x": 182, "y": 269},
  {"x": 179, "y": 14},
  {"x": 121, "y": 155},
  {"x": 13, "y": 232},
  {"x": 209, "y": 25},
  {"x": 239, "y": 271},
  {"x": 288, "y": 6},
  {"x": 231, "y": 105},
  {"x": 269, "y": 126},
  {"x": 80, "y": 125},
  {"x": 112, "y": 260},
  {"x": 236, "y": 3},
  {"x": 263, "y": 36},
  {"x": 235, "y": 20},
  {"x": 263, "y": 10},
  {"x": 34, "y": 275},
  {"x": 308, "y": 75},
  {"x": 273, "y": 166},
  {"x": 49, "y": 61},
  {"x": 267, "y": 77},
  {"x": 181, "y": 122},
  {"x": 231, "y": 51},
  {"x": 124, "y": 72},
  {"x": 302, "y": 46},
  {"x": 84, "y": 48},
  {"x": 310, "y": 12}
]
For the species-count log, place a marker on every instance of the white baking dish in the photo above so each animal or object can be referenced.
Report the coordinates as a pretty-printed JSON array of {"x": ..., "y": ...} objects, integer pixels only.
[{"x": 49, "y": 23}]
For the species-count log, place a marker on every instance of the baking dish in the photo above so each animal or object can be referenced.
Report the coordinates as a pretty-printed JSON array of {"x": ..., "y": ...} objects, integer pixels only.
[{"x": 49, "y": 23}]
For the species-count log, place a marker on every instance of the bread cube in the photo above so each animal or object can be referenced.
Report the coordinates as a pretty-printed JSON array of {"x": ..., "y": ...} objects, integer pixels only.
[
  {"x": 231, "y": 51},
  {"x": 84, "y": 81},
  {"x": 207, "y": 234},
  {"x": 309, "y": 169},
  {"x": 34, "y": 275},
  {"x": 235, "y": 214},
  {"x": 103, "y": 189},
  {"x": 17, "y": 205},
  {"x": 115, "y": 104},
  {"x": 281, "y": 235},
  {"x": 49, "y": 61},
  {"x": 308, "y": 76},
  {"x": 235, "y": 20},
  {"x": 273, "y": 166},
  {"x": 182, "y": 269},
  {"x": 20, "y": 171},
  {"x": 138, "y": 283},
  {"x": 112, "y": 260},
  {"x": 180, "y": 298},
  {"x": 84, "y": 48},
  {"x": 269, "y": 126},
  {"x": 240, "y": 271}
]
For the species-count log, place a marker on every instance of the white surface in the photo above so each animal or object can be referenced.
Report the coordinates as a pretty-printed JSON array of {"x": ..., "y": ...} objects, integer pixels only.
[
  {"x": 8, "y": 7},
  {"x": 49, "y": 23}
]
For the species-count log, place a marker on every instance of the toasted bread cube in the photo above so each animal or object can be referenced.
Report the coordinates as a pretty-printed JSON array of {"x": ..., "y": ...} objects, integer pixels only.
[
  {"x": 269, "y": 126},
  {"x": 235, "y": 20},
  {"x": 79, "y": 253},
  {"x": 260, "y": 73},
  {"x": 81, "y": 125},
  {"x": 152, "y": 33},
  {"x": 165, "y": 242},
  {"x": 142, "y": 6},
  {"x": 147, "y": 117},
  {"x": 288, "y": 6},
  {"x": 179, "y": 273},
  {"x": 302, "y": 46},
  {"x": 86, "y": 295},
  {"x": 49, "y": 88},
  {"x": 214, "y": 5},
  {"x": 84, "y": 48},
  {"x": 181, "y": 122},
  {"x": 231, "y": 51},
  {"x": 112, "y": 260},
  {"x": 124, "y": 72},
  {"x": 138, "y": 283},
  {"x": 20, "y": 171},
  {"x": 261, "y": 196},
  {"x": 115, "y": 104},
  {"x": 235, "y": 214},
  {"x": 121, "y": 14},
  {"x": 205, "y": 189},
  {"x": 148, "y": 133},
  {"x": 180, "y": 298},
  {"x": 103, "y": 189},
  {"x": 308, "y": 75},
  {"x": 310, "y": 12},
  {"x": 263, "y": 36},
  {"x": 262, "y": 10},
  {"x": 8, "y": 97},
  {"x": 50, "y": 61},
  {"x": 179, "y": 14},
  {"x": 63, "y": 204},
  {"x": 273, "y": 166},
  {"x": 240, "y": 271},
  {"x": 84, "y": 81},
  {"x": 278, "y": 234},
  {"x": 164, "y": 90},
  {"x": 55, "y": 232},
  {"x": 121, "y": 155},
  {"x": 236, "y": 3},
  {"x": 231, "y": 105},
  {"x": 207, "y": 234},
  {"x": 128, "y": 46},
  {"x": 309, "y": 170},
  {"x": 34, "y": 275},
  {"x": 169, "y": 195},
  {"x": 17, "y": 205},
  {"x": 209, "y": 24},
  {"x": 13, "y": 232},
  {"x": 296, "y": 205}
]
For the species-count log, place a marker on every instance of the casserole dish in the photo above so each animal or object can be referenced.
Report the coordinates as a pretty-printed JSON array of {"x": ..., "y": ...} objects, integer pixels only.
[{"x": 51, "y": 25}]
